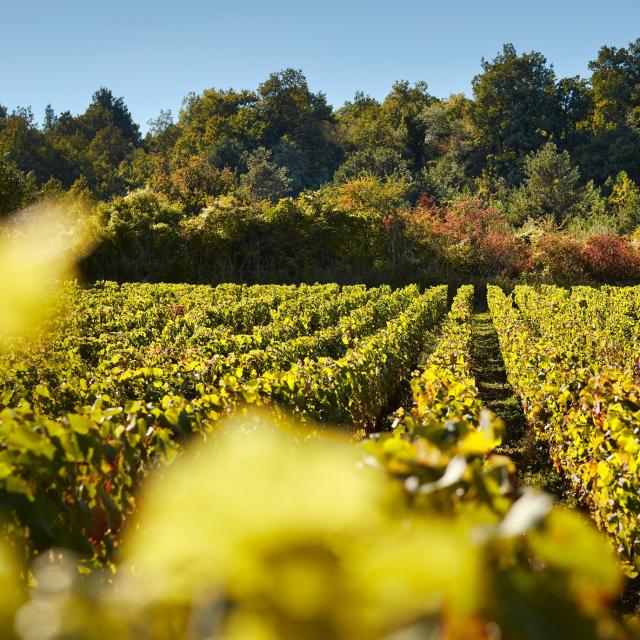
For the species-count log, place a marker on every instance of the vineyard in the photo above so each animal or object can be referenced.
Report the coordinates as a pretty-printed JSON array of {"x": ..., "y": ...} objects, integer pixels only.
[{"x": 319, "y": 461}]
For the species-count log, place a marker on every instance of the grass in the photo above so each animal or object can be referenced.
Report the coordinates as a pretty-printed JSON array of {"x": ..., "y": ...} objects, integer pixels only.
[{"x": 532, "y": 462}]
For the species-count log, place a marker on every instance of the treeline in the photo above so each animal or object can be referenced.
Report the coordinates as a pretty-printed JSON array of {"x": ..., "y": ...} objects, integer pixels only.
[{"x": 534, "y": 176}]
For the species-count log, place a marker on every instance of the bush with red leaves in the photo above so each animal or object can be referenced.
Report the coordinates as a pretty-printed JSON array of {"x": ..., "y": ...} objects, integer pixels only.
[
  {"x": 469, "y": 238},
  {"x": 611, "y": 258}
]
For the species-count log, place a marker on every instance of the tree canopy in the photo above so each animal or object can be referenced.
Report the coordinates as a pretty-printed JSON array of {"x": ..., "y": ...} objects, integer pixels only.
[{"x": 527, "y": 142}]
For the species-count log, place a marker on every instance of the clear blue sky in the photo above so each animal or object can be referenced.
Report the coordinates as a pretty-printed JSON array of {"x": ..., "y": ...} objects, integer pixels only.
[{"x": 154, "y": 52}]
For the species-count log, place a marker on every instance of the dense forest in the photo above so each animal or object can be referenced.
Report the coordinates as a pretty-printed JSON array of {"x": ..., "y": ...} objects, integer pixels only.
[{"x": 533, "y": 177}]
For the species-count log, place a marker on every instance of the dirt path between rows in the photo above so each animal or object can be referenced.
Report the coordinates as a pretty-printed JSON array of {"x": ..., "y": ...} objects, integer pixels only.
[{"x": 532, "y": 462}]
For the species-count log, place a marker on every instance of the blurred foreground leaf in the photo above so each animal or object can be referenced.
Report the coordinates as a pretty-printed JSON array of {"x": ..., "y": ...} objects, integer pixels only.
[
  {"x": 39, "y": 248},
  {"x": 290, "y": 531}
]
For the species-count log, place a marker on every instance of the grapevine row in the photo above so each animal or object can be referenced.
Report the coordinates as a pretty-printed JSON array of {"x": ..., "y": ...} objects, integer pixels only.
[
  {"x": 442, "y": 449},
  {"x": 76, "y": 440},
  {"x": 586, "y": 411}
]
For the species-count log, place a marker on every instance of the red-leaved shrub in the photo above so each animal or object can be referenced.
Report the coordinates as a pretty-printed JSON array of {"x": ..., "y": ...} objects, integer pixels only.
[
  {"x": 611, "y": 258},
  {"x": 469, "y": 238}
]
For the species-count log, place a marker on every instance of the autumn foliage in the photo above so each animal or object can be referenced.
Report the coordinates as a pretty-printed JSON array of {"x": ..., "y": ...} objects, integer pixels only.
[
  {"x": 469, "y": 238},
  {"x": 608, "y": 257}
]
